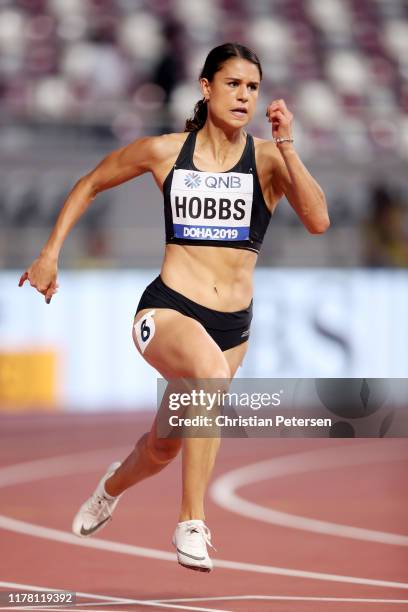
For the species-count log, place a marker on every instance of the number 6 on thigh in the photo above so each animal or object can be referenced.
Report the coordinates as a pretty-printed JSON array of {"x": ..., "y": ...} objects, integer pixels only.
[{"x": 144, "y": 330}]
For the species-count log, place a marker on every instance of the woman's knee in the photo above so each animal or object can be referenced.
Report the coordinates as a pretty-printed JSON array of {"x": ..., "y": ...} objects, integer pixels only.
[
  {"x": 160, "y": 450},
  {"x": 212, "y": 379},
  {"x": 210, "y": 368}
]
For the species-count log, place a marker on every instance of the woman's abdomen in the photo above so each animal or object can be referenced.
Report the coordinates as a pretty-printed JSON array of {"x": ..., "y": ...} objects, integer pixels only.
[{"x": 216, "y": 277}]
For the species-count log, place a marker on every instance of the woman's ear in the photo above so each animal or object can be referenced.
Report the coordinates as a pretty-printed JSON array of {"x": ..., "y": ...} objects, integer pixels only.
[{"x": 205, "y": 89}]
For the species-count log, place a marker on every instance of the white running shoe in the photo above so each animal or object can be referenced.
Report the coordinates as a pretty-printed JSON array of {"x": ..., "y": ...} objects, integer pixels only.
[
  {"x": 191, "y": 539},
  {"x": 97, "y": 510}
]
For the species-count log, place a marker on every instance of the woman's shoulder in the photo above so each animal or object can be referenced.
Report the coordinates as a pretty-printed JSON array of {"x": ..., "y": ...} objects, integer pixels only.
[
  {"x": 149, "y": 151},
  {"x": 167, "y": 145}
]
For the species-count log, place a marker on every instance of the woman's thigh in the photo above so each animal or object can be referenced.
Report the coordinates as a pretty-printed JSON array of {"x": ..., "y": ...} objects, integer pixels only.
[
  {"x": 235, "y": 356},
  {"x": 178, "y": 346}
]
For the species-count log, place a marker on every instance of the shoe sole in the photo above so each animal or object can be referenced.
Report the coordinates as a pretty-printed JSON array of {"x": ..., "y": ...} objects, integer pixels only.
[{"x": 196, "y": 568}]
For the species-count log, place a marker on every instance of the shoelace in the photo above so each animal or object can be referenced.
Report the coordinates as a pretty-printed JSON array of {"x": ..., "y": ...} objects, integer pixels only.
[
  {"x": 97, "y": 504},
  {"x": 205, "y": 532}
]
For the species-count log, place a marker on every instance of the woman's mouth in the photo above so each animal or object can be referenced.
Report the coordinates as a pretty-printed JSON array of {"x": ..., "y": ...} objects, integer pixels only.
[{"x": 239, "y": 113}]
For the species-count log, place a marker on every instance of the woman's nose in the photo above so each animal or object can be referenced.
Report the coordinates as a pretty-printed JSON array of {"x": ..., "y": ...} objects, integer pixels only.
[{"x": 242, "y": 93}]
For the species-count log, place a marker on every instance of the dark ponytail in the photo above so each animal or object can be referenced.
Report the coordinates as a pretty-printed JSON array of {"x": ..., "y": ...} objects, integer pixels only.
[
  {"x": 199, "y": 118},
  {"x": 213, "y": 63}
]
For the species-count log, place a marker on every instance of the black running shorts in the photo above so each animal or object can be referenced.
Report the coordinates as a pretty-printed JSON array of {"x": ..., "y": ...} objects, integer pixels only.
[{"x": 227, "y": 329}]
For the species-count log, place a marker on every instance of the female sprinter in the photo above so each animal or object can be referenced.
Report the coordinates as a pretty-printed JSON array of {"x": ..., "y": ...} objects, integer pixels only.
[{"x": 220, "y": 187}]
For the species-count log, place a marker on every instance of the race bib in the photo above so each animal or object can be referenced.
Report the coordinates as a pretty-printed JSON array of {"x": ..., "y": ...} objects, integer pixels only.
[
  {"x": 211, "y": 205},
  {"x": 144, "y": 330}
]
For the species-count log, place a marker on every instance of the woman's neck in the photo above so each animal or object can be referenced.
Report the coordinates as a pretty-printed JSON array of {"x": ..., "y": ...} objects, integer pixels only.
[{"x": 218, "y": 141}]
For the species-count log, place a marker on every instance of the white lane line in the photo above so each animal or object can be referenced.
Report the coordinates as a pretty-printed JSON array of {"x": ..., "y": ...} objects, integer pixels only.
[
  {"x": 107, "y": 598},
  {"x": 70, "y": 609},
  {"x": 63, "y": 465},
  {"x": 141, "y": 602},
  {"x": 56, "y": 535},
  {"x": 224, "y": 489},
  {"x": 224, "y": 598},
  {"x": 289, "y": 598}
]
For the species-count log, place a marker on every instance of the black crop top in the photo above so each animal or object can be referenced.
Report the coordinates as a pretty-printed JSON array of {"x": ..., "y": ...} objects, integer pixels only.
[{"x": 225, "y": 209}]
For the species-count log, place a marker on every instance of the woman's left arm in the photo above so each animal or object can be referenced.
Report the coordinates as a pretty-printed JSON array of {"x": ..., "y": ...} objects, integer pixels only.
[{"x": 302, "y": 191}]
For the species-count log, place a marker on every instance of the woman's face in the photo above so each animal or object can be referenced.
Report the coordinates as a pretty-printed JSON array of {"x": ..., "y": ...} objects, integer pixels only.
[{"x": 233, "y": 92}]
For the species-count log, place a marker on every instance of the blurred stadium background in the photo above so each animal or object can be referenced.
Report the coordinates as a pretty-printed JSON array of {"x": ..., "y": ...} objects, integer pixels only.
[{"x": 79, "y": 78}]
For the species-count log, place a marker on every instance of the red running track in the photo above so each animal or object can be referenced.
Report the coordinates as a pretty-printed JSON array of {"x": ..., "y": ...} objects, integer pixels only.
[{"x": 49, "y": 464}]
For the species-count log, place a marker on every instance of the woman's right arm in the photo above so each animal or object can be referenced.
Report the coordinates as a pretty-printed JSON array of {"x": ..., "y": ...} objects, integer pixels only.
[{"x": 118, "y": 167}]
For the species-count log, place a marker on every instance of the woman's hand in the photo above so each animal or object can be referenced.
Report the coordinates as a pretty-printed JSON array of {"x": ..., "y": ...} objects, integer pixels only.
[
  {"x": 281, "y": 119},
  {"x": 42, "y": 274}
]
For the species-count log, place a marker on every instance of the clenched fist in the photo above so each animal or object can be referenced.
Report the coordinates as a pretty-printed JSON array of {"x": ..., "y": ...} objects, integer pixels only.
[{"x": 281, "y": 119}]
